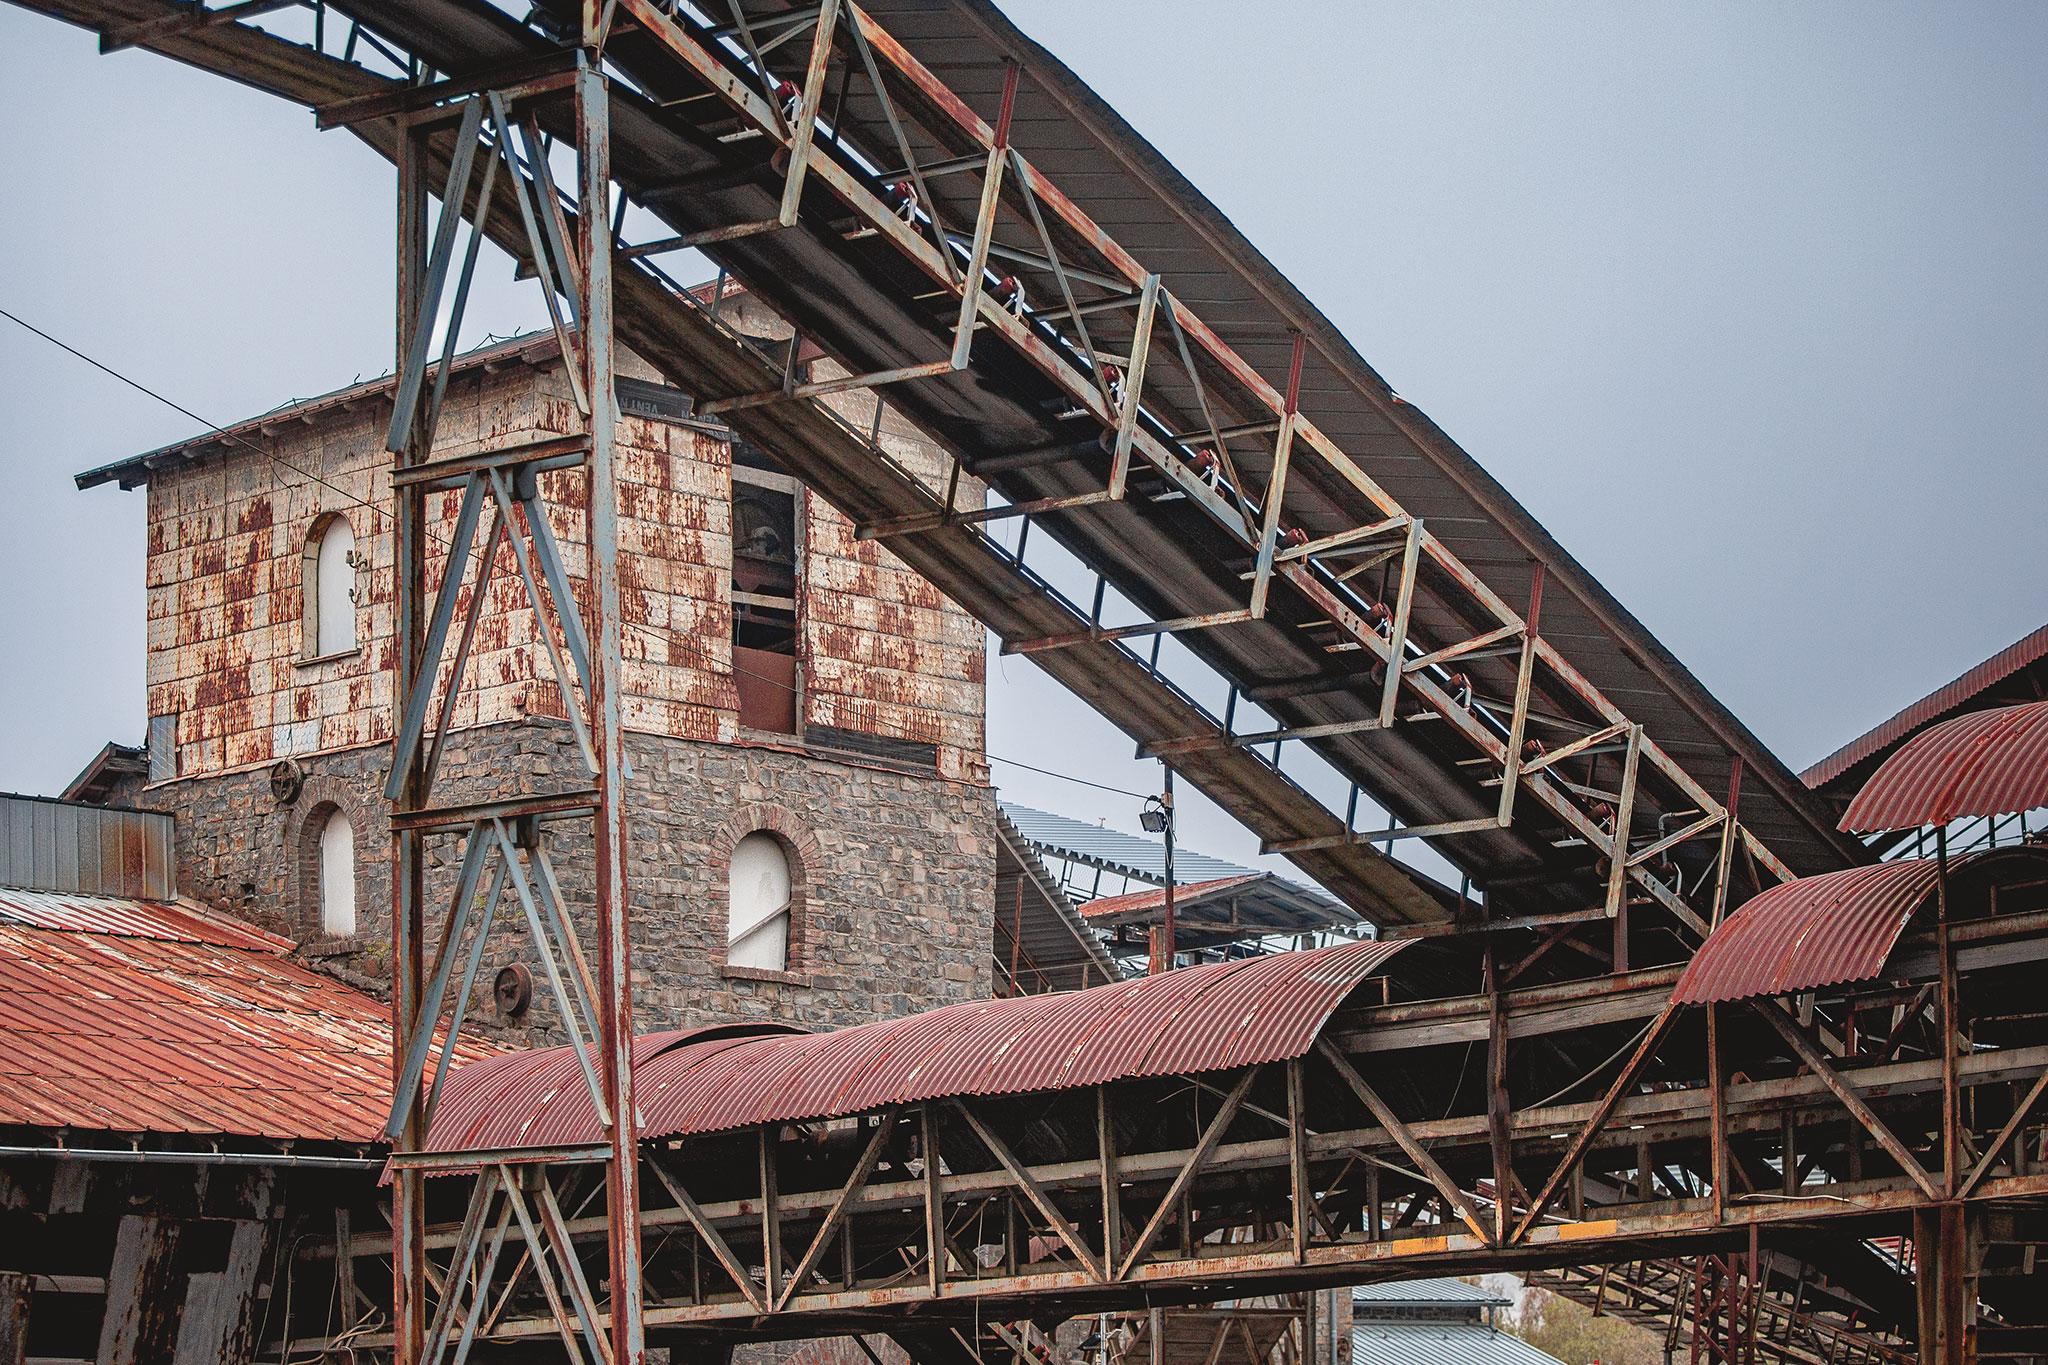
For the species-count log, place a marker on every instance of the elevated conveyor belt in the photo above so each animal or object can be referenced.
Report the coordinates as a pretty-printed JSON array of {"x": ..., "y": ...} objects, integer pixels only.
[{"x": 1161, "y": 404}]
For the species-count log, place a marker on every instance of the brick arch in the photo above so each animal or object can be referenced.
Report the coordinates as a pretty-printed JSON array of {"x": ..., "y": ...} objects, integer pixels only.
[
  {"x": 319, "y": 798},
  {"x": 800, "y": 846}
]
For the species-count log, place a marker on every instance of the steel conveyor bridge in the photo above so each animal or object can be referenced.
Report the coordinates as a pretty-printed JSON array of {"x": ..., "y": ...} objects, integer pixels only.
[{"x": 968, "y": 235}]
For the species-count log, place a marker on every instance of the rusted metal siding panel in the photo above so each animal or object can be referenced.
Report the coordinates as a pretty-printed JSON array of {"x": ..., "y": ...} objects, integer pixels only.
[
  {"x": 1805, "y": 934},
  {"x": 1979, "y": 763},
  {"x": 2029, "y": 649},
  {"x": 1201, "y": 1019},
  {"x": 67, "y": 847}
]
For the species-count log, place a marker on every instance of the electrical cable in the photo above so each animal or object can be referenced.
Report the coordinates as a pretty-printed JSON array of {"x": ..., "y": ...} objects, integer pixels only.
[{"x": 699, "y": 655}]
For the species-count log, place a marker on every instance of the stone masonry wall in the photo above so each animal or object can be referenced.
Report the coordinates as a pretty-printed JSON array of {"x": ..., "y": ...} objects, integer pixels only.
[{"x": 895, "y": 872}]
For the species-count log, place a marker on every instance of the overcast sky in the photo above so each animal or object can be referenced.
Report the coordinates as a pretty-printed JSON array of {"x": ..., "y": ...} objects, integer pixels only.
[{"x": 1747, "y": 303}]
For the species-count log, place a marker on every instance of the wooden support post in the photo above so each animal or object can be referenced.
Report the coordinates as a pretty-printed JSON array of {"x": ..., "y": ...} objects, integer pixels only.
[
  {"x": 1617, "y": 870},
  {"x": 14, "y": 1306},
  {"x": 1299, "y": 1196},
  {"x": 934, "y": 1201},
  {"x": 1276, "y": 486},
  {"x": 1497, "y": 1111},
  {"x": 1112, "y": 1190},
  {"x": 1525, "y": 680}
]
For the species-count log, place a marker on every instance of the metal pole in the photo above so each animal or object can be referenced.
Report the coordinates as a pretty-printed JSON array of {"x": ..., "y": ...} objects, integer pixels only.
[
  {"x": 408, "y": 880},
  {"x": 615, "y": 971},
  {"x": 1167, "y": 936}
]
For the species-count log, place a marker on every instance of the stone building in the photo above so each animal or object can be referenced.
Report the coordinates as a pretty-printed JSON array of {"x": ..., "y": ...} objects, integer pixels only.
[{"x": 813, "y": 837}]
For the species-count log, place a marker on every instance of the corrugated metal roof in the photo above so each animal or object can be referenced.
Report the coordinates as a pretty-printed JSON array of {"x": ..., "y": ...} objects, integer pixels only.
[
  {"x": 1441, "y": 1343},
  {"x": 169, "y": 1021},
  {"x": 2027, "y": 650},
  {"x": 1202, "y": 1019},
  {"x": 1425, "y": 1291},
  {"x": 1834, "y": 928},
  {"x": 1815, "y": 931},
  {"x": 1125, "y": 854},
  {"x": 1979, "y": 763},
  {"x": 180, "y": 922}
]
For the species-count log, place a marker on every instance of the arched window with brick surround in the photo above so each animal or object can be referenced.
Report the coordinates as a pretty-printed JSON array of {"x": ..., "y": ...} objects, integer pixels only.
[
  {"x": 336, "y": 885},
  {"x": 759, "y": 895},
  {"x": 328, "y": 578}
]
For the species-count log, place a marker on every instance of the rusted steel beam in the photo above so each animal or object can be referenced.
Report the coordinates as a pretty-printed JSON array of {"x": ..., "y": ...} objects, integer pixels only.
[
  {"x": 190, "y": 19},
  {"x": 1623, "y": 1081},
  {"x": 1408, "y": 1142},
  {"x": 1802, "y": 1047}
]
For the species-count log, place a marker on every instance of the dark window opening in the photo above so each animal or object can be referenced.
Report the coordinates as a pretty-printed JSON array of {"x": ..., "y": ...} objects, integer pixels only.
[{"x": 764, "y": 575}]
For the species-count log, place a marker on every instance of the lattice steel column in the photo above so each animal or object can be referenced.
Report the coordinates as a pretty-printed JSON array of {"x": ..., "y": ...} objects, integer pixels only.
[{"x": 498, "y": 160}]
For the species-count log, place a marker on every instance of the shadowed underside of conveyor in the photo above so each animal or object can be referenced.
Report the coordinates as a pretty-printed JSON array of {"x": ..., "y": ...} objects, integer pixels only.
[{"x": 1386, "y": 541}]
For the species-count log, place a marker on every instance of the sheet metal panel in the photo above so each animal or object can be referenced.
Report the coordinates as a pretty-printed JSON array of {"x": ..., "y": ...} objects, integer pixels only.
[
  {"x": 182, "y": 922},
  {"x": 1201, "y": 1019},
  {"x": 1808, "y": 933},
  {"x": 1979, "y": 763},
  {"x": 166, "y": 1023}
]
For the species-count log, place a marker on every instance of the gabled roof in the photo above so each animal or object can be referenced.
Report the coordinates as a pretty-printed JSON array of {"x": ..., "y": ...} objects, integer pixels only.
[{"x": 1126, "y": 854}]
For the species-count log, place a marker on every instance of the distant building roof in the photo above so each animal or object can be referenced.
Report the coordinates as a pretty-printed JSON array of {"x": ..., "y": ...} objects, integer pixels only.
[
  {"x": 1227, "y": 909},
  {"x": 1433, "y": 1292},
  {"x": 1126, "y": 854},
  {"x": 1037, "y": 927},
  {"x": 152, "y": 1016},
  {"x": 1434, "y": 1322},
  {"x": 1441, "y": 1343}
]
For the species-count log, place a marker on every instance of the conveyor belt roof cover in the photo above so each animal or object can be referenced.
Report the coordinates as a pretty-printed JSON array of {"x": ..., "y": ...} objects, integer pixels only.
[{"x": 1069, "y": 132}]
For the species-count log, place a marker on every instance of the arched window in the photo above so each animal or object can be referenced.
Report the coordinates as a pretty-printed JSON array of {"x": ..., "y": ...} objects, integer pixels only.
[
  {"x": 337, "y": 875},
  {"x": 757, "y": 928},
  {"x": 329, "y": 578}
]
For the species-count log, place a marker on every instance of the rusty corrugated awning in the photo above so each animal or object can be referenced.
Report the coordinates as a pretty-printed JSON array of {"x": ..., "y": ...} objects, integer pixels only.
[
  {"x": 1206, "y": 1018},
  {"x": 1826, "y": 930},
  {"x": 1977, "y": 764}
]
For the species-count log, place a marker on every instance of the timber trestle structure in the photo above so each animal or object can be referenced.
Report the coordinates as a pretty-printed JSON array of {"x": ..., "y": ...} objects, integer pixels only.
[{"x": 1517, "y": 1088}]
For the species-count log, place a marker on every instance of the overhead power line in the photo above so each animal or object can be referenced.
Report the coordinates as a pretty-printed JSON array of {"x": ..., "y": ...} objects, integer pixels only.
[{"x": 647, "y": 631}]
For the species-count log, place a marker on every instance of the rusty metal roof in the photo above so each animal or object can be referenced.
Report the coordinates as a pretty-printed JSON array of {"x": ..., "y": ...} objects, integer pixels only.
[
  {"x": 1140, "y": 904},
  {"x": 1834, "y": 928},
  {"x": 1968, "y": 689},
  {"x": 173, "y": 922},
  {"x": 1812, "y": 932},
  {"x": 1202, "y": 1019},
  {"x": 1978, "y": 763},
  {"x": 140, "y": 1016}
]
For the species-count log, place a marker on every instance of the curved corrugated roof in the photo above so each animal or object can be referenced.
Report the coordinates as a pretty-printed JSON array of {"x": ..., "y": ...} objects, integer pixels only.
[
  {"x": 1820, "y": 931},
  {"x": 1979, "y": 763},
  {"x": 1205, "y": 1018}
]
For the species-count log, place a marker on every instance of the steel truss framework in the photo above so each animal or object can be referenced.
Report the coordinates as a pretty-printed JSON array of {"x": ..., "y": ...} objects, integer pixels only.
[
  {"x": 942, "y": 1215},
  {"x": 1724, "y": 1125},
  {"x": 1532, "y": 741}
]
